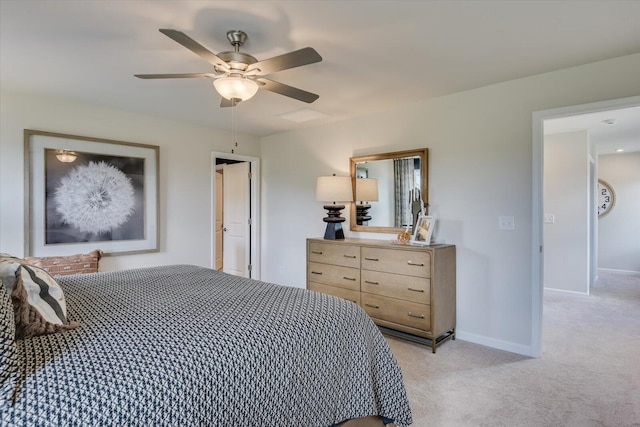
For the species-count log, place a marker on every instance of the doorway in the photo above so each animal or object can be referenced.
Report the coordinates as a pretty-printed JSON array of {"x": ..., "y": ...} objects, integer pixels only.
[
  {"x": 537, "y": 203},
  {"x": 235, "y": 214}
]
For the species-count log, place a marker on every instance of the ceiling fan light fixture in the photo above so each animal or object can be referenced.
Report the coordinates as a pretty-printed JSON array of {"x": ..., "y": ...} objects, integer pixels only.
[
  {"x": 235, "y": 88},
  {"x": 66, "y": 156}
]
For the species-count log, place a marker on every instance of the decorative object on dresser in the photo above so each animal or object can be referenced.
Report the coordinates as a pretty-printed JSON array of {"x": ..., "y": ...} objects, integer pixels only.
[
  {"x": 408, "y": 291},
  {"x": 366, "y": 191},
  {"x": 423, "y": 230},
  {"x": 334, "y": 189}
]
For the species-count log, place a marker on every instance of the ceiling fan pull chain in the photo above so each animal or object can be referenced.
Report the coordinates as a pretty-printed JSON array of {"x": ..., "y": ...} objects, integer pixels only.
[{"x": 234, "y": 126}]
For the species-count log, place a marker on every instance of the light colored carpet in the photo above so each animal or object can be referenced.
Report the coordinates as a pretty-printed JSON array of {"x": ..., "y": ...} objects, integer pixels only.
[{"x": 588, "y": 375}]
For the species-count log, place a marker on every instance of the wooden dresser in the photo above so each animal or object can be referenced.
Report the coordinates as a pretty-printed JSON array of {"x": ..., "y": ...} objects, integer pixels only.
[{"x": 409, "y": 291}]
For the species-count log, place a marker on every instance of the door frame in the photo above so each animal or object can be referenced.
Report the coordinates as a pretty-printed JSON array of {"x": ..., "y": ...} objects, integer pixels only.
[
  {"x": 537, "y": 270},
  {"x": 255, "y": 209}
]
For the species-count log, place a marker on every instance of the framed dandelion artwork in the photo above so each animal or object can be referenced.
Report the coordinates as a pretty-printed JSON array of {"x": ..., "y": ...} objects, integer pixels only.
[{"x": 88, "y": 193}]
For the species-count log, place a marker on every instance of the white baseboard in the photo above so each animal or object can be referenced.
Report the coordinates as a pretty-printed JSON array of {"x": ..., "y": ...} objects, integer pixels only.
[
  {"x": 564, "y": 291},
  {"x": 611, "y": 270},
  {"x": 525, "y": 350}
]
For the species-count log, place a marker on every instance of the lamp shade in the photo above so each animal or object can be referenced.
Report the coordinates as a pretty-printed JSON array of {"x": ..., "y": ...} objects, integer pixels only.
[
  {"x": 334, "y": 189},
  {"x": 235, "y": 88},
  {"x": 367, "y": 189}
]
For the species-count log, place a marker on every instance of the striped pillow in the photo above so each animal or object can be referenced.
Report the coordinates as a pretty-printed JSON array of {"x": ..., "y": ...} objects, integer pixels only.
[{"x": 38, "y": 301}]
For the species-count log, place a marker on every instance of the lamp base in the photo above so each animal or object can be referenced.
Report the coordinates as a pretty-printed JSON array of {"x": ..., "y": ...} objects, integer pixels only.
[
  {"x": 334, "y": 231},
  {"x": 362, "y": 214},
  {"x": 334, "y": 222}
]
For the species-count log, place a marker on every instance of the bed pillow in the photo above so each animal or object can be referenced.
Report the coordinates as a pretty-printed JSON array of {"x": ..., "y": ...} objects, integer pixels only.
[
  {"x": 7, "y": 257},
  {"x": 9, "y": 362},
  {"x": 72, "y": 264},
  {"x": 39, "y": 306}
]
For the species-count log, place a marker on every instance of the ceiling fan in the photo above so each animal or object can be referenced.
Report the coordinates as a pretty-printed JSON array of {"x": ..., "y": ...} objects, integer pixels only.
[{"x": 237, "y": 75}]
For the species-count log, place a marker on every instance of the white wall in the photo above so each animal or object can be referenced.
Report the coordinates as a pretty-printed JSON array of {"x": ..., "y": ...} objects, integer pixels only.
[
  {"x": 619, "y": 230},
  {"x": 185, "y": 176},
  {"x": 566, "y": 191},
  {"x": 480, "y": 167}
]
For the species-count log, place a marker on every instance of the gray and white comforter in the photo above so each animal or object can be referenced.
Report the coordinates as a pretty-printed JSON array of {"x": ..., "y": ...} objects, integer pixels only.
[{"x": 188, "y": 346}]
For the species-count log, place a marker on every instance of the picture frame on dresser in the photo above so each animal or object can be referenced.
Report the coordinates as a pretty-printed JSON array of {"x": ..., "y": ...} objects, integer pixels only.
[
  {"x": 86, "y": 192},
  {"x": 423, "y": 231}
]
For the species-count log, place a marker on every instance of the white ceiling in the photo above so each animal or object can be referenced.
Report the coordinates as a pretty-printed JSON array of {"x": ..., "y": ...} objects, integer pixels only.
[
  {"x": 377, "y": 55},
  {"x": 610, "y": 131}
]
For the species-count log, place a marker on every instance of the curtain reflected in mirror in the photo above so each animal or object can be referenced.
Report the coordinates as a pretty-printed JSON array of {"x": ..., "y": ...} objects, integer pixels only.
[
  {"x": 402, "y": 190},
  {"x": 404, "y": 183}
]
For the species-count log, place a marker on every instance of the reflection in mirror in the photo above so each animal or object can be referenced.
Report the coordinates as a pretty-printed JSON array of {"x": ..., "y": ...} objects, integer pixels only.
[{"x": 402, "y": 190}]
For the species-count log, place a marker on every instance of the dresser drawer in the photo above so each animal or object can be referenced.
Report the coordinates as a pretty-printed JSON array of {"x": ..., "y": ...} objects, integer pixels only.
[
  {"x": 397, "y": 311},
  {"x": 344, "y": 277},
  {"x": 410, "y": 288},
  {"x": 348, "y": 294},
  {"x": 344, "y": 255},
  {"x": 407, "y": 262}
]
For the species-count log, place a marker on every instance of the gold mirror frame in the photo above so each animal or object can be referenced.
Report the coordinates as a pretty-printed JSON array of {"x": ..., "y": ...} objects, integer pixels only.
[{"x": 423, "y": 153}]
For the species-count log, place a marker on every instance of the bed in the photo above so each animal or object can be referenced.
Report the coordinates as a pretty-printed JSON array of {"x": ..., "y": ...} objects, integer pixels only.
[{"x": 189, "y": 346}]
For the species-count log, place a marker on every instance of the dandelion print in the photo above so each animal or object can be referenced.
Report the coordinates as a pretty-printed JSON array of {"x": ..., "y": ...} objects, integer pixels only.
[{"x": 95, "y": 198}]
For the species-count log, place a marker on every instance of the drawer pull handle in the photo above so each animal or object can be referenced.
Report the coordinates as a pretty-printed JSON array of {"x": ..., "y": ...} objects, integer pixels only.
[
  {"x": 349, "y": 278},
  {"x": 372, "y": 305},
  {"x": 416, "y": 290},
  {"x": 349, "y": 256},
  {"x": 419, "y": 316},
  {"x": 417, "y": 264},
  {"x": 317, "y": 252},
  {"x": 319, "y": 273},
  {"x": 371, "y": 259},
  {"x": 371, "y": 283}
]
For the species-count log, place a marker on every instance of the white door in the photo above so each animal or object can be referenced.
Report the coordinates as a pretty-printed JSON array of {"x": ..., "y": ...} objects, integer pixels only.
[{"x": 236, "y": 219}]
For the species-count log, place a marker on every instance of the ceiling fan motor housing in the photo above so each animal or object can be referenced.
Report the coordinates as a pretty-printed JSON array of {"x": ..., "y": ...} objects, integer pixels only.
[
  {"x": 236, "y": 60},
  {"x": 236, "y": 38}
]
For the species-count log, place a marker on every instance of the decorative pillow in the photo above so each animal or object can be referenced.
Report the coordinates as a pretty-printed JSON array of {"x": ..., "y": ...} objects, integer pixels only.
[
  {"x": 9, "y": 362},
  {"x": 63, "y": 265},
  {"x": 7, "y": 257},
  {"x": 38, "y": 301}
]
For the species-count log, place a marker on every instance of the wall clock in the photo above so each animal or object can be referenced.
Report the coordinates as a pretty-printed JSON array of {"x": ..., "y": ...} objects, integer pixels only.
[{"x": 606, "y": 198}]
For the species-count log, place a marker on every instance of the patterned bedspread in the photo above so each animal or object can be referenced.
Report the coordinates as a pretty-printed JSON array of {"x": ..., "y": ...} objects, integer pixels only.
[{"x": 188, "y": 346}]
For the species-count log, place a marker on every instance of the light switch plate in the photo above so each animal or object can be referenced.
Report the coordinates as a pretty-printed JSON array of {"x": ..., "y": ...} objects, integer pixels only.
[
  {"x": 506, "y": 223},
  {"x": 549, "y": 218}
]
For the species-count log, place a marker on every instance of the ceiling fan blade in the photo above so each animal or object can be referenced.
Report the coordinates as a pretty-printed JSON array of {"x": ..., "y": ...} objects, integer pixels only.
[
  {"x": 305, "y": 56},
  {"x": 175, "y": 76},
  {"x": 290, "y": 91},
  {"x": 195, "y": 47}
]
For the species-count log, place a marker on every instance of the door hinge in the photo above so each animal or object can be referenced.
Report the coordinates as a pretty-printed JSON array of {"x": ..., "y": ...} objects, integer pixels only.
[
  {"x": 249, "y": 221},
  {"x": 250, "y": 175},
  {"x": 249, "y": 267}
]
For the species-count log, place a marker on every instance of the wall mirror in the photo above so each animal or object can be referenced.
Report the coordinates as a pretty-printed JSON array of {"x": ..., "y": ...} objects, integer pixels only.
[{"x": 401, "y": 183}]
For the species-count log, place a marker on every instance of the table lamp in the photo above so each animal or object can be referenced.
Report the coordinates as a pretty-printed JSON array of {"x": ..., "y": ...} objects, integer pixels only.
[{"x": 334, "y": 189}]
